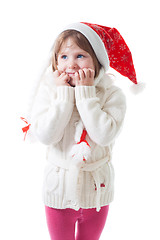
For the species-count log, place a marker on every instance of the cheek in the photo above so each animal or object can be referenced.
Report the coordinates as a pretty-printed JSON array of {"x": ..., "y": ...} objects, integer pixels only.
[
  {"x": 89, "y": 64},
  {"x": 92, "y": 65},
  {"x": 60, "y": 67}
]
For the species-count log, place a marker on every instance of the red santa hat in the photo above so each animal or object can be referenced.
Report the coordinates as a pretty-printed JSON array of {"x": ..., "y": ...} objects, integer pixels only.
[{"x": 109, "y": 47}]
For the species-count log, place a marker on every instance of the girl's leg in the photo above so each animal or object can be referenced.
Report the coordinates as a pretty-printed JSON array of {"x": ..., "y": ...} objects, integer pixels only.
[
  {"x": 61, "y": 223},
  {"x": 91, "y": 223}
]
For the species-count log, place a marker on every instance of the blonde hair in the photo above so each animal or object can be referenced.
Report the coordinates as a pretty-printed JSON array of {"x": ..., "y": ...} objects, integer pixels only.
[{"x": 81, "y": 42}]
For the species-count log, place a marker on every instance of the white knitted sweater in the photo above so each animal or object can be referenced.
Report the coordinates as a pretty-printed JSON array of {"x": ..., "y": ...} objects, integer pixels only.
[{"x": 59, "y": 116}]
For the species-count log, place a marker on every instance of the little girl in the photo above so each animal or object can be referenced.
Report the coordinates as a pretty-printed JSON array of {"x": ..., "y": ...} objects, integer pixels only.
[{"x": 78, "y": 113}]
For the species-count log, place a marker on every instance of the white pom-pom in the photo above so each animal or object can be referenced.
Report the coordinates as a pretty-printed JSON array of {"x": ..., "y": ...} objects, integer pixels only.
[
  {"x": 79, "y": 152},
  {"x": 137, "y": 88}
]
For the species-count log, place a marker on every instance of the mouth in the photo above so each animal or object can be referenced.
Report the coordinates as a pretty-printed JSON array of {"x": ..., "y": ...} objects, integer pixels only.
[{"x": 71, "y": 74}]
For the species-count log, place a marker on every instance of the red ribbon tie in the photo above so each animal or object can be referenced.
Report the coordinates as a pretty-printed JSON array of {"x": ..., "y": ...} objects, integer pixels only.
[{"x": 26, "y": 128}]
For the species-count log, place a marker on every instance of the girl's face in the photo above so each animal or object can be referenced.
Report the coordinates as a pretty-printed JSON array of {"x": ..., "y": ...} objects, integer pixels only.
[{"x": 72, "y": 58}]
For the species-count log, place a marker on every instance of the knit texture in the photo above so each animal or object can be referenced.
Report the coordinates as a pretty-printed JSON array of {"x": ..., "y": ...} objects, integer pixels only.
[{"x": 59, "y": 116}]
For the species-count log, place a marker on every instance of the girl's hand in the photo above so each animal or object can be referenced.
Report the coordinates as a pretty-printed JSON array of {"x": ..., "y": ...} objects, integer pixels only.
[
  {"x": 61, "y": 78},
  {"x": 84, "y": 77}
]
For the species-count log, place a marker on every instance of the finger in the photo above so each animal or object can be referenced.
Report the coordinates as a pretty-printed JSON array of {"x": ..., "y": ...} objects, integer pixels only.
[
  {"x": 87, "y": 72},
  {"x": 77, "y": 78},
  {"x": 56, "y": 73},
  {"x": 81, "y": 74},
  {"x": 67, "y": 84},
  {"x": 60, "y": 72},
  {"x": 92, "y": 73},
  {"x": 64, "y": 77}
]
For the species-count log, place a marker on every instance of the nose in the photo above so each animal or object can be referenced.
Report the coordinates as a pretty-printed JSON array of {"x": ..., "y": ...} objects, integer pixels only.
[{"x": 72, "y": 64}]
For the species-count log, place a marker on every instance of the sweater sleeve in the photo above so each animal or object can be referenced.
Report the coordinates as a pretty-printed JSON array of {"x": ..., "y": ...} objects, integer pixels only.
[
  {"x": 102, "y": 123},
  {"x": 51, "y": 113}
]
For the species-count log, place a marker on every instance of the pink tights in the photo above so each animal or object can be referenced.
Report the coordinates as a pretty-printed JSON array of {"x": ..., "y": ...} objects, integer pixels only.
[{"x": 90, "y": 223}]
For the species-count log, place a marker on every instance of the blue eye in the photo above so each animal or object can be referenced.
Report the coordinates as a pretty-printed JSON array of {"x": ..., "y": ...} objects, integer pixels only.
[
  {"x": 64, "y": 57},
  {"x": 80, "y": 56}
]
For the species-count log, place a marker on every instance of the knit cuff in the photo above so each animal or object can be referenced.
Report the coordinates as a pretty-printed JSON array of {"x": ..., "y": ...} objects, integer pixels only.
[
  {"x": 65, "y": 93},
  {"x": 83, "y": 92}
]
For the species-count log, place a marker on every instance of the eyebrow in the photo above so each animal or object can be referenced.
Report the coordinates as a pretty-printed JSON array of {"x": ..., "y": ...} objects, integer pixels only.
[
  {"x": 78, "y": 52},
  {"x": 62, "y": 53}
]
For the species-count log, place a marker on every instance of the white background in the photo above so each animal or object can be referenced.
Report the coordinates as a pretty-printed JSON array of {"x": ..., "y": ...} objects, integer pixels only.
[{"x": 27, "y": 32}]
